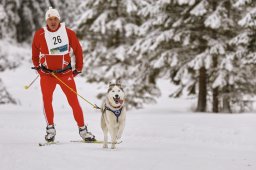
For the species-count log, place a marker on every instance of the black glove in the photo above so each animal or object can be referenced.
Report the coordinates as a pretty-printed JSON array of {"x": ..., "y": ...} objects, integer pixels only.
[
  {"x": 36, "y": 68},
  {"x": 75, "y": 73},
  {"x": 39, "y": 70}
]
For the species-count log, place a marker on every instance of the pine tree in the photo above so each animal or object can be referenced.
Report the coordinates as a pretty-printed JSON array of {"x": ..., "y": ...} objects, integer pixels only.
[
  {"x": 26, "y": 25},
  {"x": 242, "y": 59},
  {"x": 5, "y": 97},
  {"x": 164, "y": 44},
  {"x": 216, "y": 22},
  {"x": 8, "y": 18},
  {"x": 109, "y": 28},
  {"x": 226, "y": 68},
  {"x": 191, "y": 46},
  {"x": 67, "y": 10},
  {"x": 3, "y": 22}
]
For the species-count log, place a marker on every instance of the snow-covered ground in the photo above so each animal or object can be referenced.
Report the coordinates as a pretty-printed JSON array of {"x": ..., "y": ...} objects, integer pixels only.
[{"x": 163, "y": 136}]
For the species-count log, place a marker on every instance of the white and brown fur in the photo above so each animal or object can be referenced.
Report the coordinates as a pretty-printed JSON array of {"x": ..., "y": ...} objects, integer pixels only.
[{"x": 109, "y": 122}]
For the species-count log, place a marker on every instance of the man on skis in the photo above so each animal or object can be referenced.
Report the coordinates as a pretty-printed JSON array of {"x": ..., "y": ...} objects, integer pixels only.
[{"x": 50, "y": 55}]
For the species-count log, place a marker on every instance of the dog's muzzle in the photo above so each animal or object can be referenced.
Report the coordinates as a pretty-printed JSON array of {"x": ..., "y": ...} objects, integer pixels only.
[{"x": 118, "y": 100}]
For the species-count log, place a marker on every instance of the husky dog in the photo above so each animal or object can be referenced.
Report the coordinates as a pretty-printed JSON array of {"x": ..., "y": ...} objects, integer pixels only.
[{"x": 113, "y": 114}]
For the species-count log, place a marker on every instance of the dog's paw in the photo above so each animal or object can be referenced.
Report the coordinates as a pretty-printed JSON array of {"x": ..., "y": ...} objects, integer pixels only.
[
  {"x": 105, "y": 146},
  {"x": 118, "y": 137},
  {"x": 113, "y": 146}
]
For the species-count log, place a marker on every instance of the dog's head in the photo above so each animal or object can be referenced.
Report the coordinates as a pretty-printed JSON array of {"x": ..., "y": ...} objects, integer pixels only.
[{"x": 115, "y": 94}]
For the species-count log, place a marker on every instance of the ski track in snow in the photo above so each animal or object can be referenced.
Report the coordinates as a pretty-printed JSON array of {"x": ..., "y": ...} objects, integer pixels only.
[{"x": 163, "y": 136}]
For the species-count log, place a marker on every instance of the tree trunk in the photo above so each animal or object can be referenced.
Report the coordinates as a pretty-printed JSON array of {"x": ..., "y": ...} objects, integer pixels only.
[
  {"x": 215, "y": 91},
  {"x": 226, "y": 100},
  {"x": 226, "y": 105},
  {"x": 201, "y": 104},
  {"x": 215, "y": 100}
]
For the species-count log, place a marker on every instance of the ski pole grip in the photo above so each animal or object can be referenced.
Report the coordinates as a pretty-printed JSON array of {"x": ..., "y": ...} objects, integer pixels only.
[{"x": 36, "y": 68}]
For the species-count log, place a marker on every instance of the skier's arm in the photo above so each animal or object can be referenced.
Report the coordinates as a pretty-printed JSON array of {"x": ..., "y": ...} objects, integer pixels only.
[
  {"x": 35, "y": 51},
  {"x": 77, "y": 49}
]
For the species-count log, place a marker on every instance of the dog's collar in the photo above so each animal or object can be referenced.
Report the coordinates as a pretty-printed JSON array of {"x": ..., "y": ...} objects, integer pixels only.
[
  {"x": 117, "y": 112},
  {"x": 118, "y": 107}
]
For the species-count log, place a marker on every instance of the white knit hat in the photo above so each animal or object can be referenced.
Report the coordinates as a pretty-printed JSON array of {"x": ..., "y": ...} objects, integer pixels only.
[{"x": 52, "y": 13}]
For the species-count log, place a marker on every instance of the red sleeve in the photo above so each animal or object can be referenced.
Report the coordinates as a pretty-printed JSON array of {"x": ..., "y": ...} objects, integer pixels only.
[
  {"x": 36, "y": 49},
  {"x": 77, "y": 49}
]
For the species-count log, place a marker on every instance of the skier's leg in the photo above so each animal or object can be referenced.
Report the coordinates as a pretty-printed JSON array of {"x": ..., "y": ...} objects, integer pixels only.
[
  {"x": 72, "y": 98},
  {"x": 74, "y": 103},
  {"x": 48, "y": 85}
]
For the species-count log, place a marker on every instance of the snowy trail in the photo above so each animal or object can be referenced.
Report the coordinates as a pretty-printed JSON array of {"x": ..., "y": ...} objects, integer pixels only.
[{"x": 151, "y": 141}]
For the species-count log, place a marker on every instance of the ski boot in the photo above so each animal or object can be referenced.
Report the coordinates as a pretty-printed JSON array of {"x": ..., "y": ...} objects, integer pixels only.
[
  {"x": 86, "y": 136},
  {"x": 50, "y": 133}
]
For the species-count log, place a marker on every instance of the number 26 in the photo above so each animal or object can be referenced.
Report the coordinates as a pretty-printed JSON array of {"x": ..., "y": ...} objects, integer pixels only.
[{"x": 56, "y": 40}]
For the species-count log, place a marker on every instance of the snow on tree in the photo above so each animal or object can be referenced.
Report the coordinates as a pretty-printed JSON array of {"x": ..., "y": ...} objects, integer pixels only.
[
  {"x": 8, "y": 18},
  {"x": 195, "y": 35},
  {"x": 108, "y": 29},
  {"x": 21, "y": 18},
  {"x": 158, "y": 44},
  {"x": 217, "y": 21},
  {"x": 5, "y": 97},
  {"x": 11, "y": 57},
  {"x": 3, "y": 20},
  {"x": 224, "y": 56},
  {"x": 66, "y": 8},
  {"x": 243, "y": 56}
]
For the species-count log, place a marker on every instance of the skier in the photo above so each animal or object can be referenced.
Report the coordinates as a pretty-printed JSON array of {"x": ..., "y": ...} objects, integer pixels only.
[{"x": 50, "y": 55}]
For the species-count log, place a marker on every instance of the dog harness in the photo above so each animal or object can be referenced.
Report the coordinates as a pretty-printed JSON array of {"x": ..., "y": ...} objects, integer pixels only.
[{"x": 117, "y": 113}]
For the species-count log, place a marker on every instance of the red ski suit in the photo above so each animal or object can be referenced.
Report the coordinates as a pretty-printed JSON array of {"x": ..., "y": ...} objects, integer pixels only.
[{"x": 40, "y": 56}]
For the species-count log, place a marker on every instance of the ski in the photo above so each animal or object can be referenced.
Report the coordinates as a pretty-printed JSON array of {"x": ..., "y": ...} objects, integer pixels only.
[
  {"x": 48, "y": 143},
  {"x": 77, "y": 141},
  {"x": 95, "y": 142}
]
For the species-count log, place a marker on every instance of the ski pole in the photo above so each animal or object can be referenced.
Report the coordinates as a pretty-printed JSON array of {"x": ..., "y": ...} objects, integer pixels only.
[
  {"x": 27, "y": 86},
  {"x": 94, "y": 105}
]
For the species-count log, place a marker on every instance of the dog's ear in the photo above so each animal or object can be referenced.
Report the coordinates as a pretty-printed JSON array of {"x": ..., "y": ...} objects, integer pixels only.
[
  {"x": 119, "y": 83},
  {"x": 110, "y": 85}
]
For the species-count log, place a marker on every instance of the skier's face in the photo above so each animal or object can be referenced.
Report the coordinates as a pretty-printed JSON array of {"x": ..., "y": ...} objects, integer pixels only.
[{"x": 53, "y": 23}]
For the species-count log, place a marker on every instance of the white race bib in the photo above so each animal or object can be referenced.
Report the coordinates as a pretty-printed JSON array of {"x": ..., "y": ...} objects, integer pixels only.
[{"x": 57, "y": 42}]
